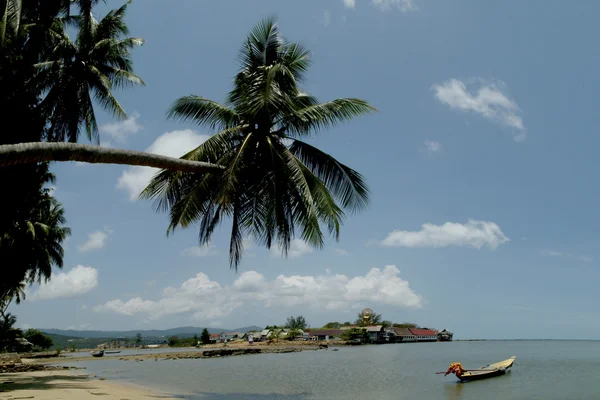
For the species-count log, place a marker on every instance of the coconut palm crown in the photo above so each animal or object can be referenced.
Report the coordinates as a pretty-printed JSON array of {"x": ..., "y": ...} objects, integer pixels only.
[
  {"x": 98, "y": 61},
  {"x": 273, "y": 183}
]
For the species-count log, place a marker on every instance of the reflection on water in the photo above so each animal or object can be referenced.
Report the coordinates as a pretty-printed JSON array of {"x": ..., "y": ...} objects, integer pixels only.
[
  {"x": 453, "y": 391},
  {"x": 393, "y": 371}
]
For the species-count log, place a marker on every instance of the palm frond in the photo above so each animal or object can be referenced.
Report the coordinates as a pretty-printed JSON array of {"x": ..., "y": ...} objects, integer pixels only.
[
  {"x": 324, "y": 115},
  {"x": 204, "y": 111},
  {"x": 112, "y": 25},
  {"x": 344, "y": 182}
]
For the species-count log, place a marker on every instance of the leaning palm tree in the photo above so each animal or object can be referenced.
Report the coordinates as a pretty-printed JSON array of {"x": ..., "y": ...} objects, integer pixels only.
[
  {"x": 273, "y": 182},
  {"x": 95, "y": 63}
]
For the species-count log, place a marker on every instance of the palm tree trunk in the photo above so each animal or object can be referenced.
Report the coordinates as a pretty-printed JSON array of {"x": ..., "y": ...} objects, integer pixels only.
[{"x": 23, "y": 153}]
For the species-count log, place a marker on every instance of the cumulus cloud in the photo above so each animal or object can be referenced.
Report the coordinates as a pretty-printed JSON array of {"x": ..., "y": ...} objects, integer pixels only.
[
  {"x": 474, "y": 233},
  {"x": 206, "y": 299},
  {"x": 350, "y": 3},
  {"x": 118, "y": 131},
  {"x": 490, "y": 101},
  {"x": 78, "y": 281},
  {"x": 173, "y": 144},
  {"x": 298, "y": 248},
  {"x": 96, "y": 240},
  {"x": 200, "y": 251},
  {"x": 433, "y": 147},
  {"x": 402, "y": 5}
]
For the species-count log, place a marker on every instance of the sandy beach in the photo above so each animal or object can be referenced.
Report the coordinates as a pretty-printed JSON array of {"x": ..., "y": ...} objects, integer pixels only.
[{"x": 68, "y": 385}]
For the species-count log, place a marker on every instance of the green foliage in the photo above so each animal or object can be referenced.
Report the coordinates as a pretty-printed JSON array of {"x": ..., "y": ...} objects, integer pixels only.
[
  {"x": 47, "y": 82},
  {"x": 296, "y": 323},
  {"x": 38, "y": 339},
  {"x": 292, "y": 334},
  {"x": 138, "y": 338},
  {"x": 405, "y": 325},
  {"x": 333, "y": 325},
  {"x": 172, "y": 341},
  {"x": 175, "y": 341},
  {"x": 8, "y": 333},
  {"x": 374, "y": 319},
  {"x": 347, "y": 323},
  {"x": 205, "y": 336},
  {"x": 274, "y": 184},
  {"x": 354, "y": 334}
]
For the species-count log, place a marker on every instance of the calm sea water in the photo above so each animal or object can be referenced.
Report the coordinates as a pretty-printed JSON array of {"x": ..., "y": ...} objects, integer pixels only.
[{"x": 548, "y": 370}]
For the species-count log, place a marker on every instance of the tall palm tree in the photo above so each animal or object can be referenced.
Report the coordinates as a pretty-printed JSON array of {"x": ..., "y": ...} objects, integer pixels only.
[
  {"x": 273, "y": 182},
  {"x": 95, "y": 63}
]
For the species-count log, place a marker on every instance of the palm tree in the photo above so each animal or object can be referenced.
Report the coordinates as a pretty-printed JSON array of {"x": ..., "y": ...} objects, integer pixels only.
[
  {"x": 8, "y": 333},
  {"x": 95, "y": 63},
  {"x": 16, "y": 293},
  {"x": 273, "y": 182},
  {"x": 31, "y": 241},
  {"x": 35, "y": 152}
]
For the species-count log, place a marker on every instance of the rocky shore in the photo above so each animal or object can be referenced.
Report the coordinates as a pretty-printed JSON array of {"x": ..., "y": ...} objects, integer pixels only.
[
  {"x": 186, "y": 354},
  {"x": 9, "y": 368}
]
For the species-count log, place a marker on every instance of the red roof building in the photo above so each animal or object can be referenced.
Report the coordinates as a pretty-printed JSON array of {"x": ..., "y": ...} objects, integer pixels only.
[{"x": 423, "y": 332}]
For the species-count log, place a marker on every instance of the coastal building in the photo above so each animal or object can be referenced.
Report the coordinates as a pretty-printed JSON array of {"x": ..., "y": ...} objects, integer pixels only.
[
  {"x": 325, "y": 334},
  {"x": 375, "y": 333},
  {"x": 424, "y": 335},
  {"x": 404, "y": 335},
  {"x": 445, "y": 335}
]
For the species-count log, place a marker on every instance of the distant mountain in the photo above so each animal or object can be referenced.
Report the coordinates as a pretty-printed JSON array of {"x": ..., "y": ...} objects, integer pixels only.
[{"x": 185, "y": 331}]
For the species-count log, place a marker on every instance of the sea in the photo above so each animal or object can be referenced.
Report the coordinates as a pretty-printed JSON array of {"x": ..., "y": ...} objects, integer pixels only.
[{"x": 548, "y": 370}]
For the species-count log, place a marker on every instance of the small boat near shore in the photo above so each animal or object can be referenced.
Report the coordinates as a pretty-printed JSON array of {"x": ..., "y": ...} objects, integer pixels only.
[
  {"x": 487, "y": 371},
  {"x": 112, "y": 352},
  {"x": 99, "y": 353}
]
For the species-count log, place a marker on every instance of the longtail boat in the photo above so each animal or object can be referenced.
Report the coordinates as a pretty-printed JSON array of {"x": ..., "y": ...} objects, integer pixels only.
[{"x": 487, "y": 371}]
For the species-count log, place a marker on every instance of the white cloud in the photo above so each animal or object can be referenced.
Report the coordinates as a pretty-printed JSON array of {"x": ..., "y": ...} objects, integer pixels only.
[
  {"x": 206, "y": 299},
  {"x": 96, "y": 240},
  {"x": 119, "y": 130},
  {"x": 472, "y": 234},
  {"x": 172, "y": 144},
  {"x": 350, "y": 3},
  {"x": 433, "y": 147},
  {"x": 341, "y": 252},
  {"x": 200, "y": 251},
  {"x": 579, "y": 257},
  {"x": 78, "y": 281},
  {"x": 402, "y": 5},
  {"x": 298, "y": 248},
  {"x": 490, "y": 101}
]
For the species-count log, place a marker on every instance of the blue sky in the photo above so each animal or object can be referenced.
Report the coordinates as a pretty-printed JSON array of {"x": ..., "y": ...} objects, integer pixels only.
[{"x": 481, "y": 162}]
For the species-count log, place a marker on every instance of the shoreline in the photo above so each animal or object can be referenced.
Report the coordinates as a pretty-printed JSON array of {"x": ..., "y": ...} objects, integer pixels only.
[
  {"x": 187, "y": 353},
  {"x": 68, "y": 385}
]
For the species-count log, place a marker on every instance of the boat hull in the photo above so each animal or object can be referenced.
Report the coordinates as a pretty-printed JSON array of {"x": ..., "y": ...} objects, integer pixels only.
[
  {"x": 481, "y": 375},
  {"x": 488, "y": 371}
]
